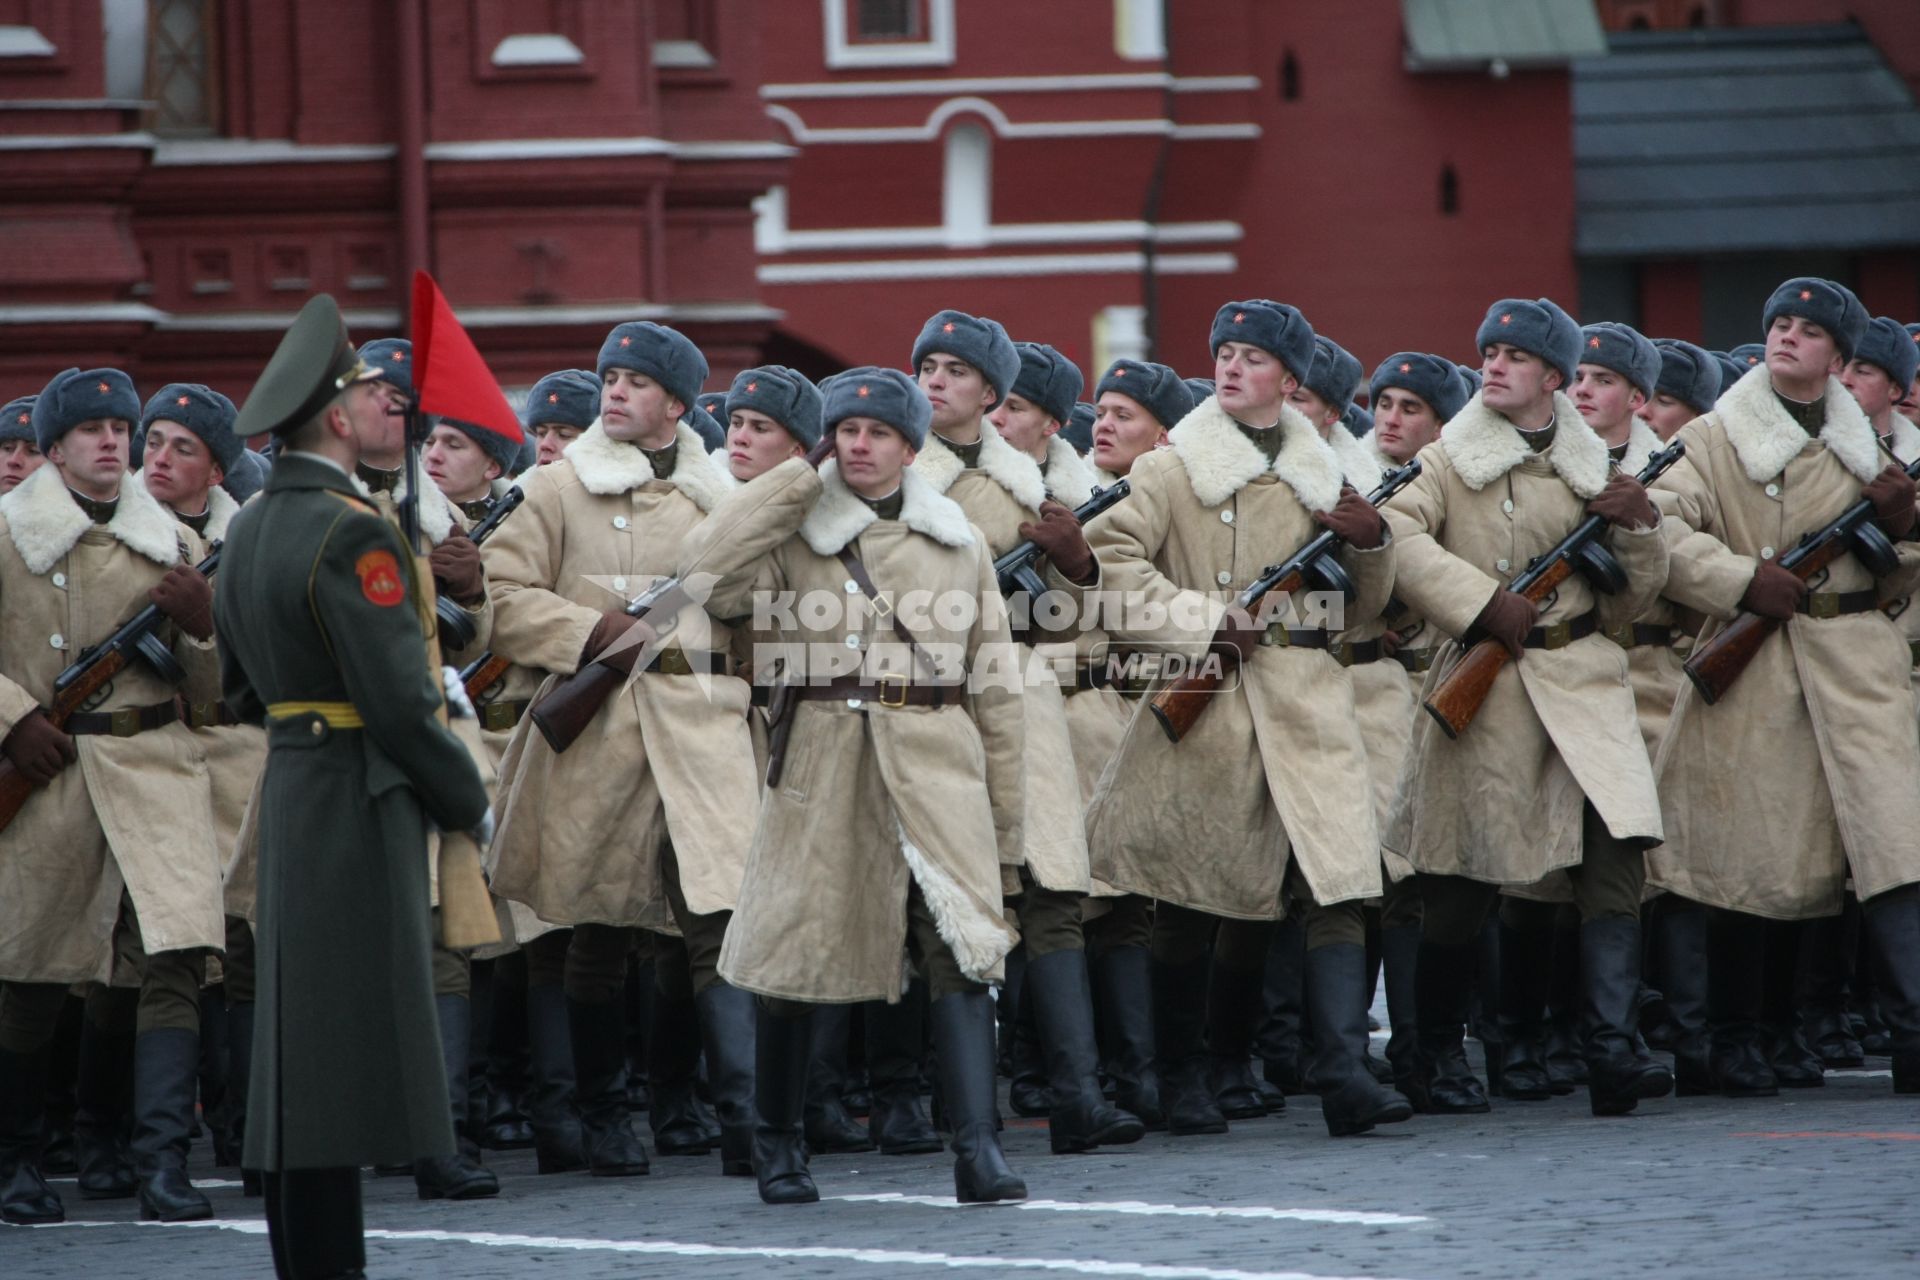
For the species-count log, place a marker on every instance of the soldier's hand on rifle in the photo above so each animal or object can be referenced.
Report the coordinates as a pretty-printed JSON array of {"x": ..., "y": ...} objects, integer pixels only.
[
  {"x": 1891, "y": 493},
  {"x": 1059, "y": 535},
  {"x": 1238, "y": 636},
  {"x": 821, "y": 451},
  {"x": 37, "y": 749},
  {"x": 1356, "y": 520},
  {"x": 1774, "y": 592},
  {"x": 456, "y": 566},
  {"x": 186, "y": 596},
  {"x": 1507, "y": 618},
  {"x": 613, "y": 630},
  {"x": 1624, "y": 504}
]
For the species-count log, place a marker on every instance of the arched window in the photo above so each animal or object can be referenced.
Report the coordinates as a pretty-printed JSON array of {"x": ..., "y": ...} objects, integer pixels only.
[{"x": 967, "y": 196}]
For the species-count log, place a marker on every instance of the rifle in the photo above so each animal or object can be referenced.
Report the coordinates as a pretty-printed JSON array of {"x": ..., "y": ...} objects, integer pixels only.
[
  {"x": 452, "y": 619},
  {"x": 1178, "y": 705},
  {"x": 1716, "y": 664},
  {"x": 1457, "y": 698},
  {"x": 564, "y": 712},
  {"x": 1017, "y": 571},
  {"x": 484, "y": 671},
  {"x": 92, "y": 672}
]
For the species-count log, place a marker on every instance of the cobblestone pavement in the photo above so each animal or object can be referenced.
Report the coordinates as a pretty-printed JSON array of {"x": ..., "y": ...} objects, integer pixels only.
[{"x": 1817, "y": 1182}]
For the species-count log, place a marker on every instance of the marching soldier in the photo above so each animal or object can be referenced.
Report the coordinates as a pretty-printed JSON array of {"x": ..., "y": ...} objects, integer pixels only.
[
  {"x": 1877, "y": 378},
  {"x": 110, "y": 863},
  {"x": 1135, "y": 403},
  {"x": 320, "y": 640},
  {"x": 471, "y": 465},
  {"x": 19, "y": 452},
  {"x": 1831, "y": 788},
  {"x": 1553, "y": 773},
  {"x": 900, "y": 793},
  {"x": 599, "y": 526},
  {"x": 1688, "y": 385},
  {"x": 1078, "y": 428},
  {"x": 1036, "y": 409},
  {"x": 1262, "y": 780},
  {"x": 1613, "y": 383},
  {"x": 772, "y": 414},
  {"x": 557, "y": 406}
]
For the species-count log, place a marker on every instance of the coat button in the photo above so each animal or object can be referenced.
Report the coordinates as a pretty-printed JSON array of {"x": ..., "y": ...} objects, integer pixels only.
[
  {"x": 319, "y": 727},
  {"x": 1223, "y": 577},
  {"x": 1501, "y": 565},
  {"x": 57, "y": 640},
  {"x": 1766, "y": 553},
  {"x": 620, "y": 584},
  {"x": 1773, "y": 491},
  {"x": 1506, "y": 505},
  {"x": 853, "y": 642},
  {"x": 1226, "y": 517},
  {"x": 619, "y": 522},
  {"x": 854, "y": 704},
  {"x": 851, "y": 587},
  {"x": 59, "y": 579}
]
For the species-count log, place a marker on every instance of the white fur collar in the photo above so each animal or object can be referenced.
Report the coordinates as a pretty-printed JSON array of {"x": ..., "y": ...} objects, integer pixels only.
[
  {"x": 1642, "y": 443},
  {"x": 1220, "y": 461},
  {"x": 1104, "y": 479},
  {"x": 221, "y": 509},
  {"x": 718, "y": 461},
  {"x": 1005, "y": 465},
  {"x": 839, "y": 516},
  {"x": 1069, "y": 476},
  {"x": 1767, "y": 439},
  {"x": 607, "y": 466},
  {"x": 1371, "y": 443},
  {"x": 1483, "y": 446},
  {"x": 1358, "y": 462},
  {"x": 44, "y": 521},
  {"x": 436, "y": 511},
  {"x": 1906, "y": 439}
]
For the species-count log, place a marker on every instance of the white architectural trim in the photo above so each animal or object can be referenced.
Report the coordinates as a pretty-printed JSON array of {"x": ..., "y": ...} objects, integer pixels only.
[
  {"x": 598, "y": 148},
  {"x": 1043, "y": 264},
  {"x": 614, "y": 313},
  {"x": 545, "y": 49},
  {"x": 682, "y": 53},
  {"x": 966, "y": 187},
  {"x": 776, "y": 238},
  {"x": 21, "y": 41},
  {"x": 843, "y": 52},
  {"x": 803, "y": 134},
  {"x": 75, "y": 104},
  {"x": 1215, "y": 132},
  {"x": 252, "y": 321},
  {"x": 378, "y": 317},
  {"x": 1139, "y": 33},
  {"x": 224, "y": 151},
  {"x": 1011, "y": 84},
  {"x": 68, "y": 141},
  {"x": 79, "y": 313}
]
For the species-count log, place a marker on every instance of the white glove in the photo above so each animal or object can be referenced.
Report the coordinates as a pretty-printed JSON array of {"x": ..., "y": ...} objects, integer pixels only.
[
  {"x": 459, "y": 706},
  {"x": 483, "y": 833}
]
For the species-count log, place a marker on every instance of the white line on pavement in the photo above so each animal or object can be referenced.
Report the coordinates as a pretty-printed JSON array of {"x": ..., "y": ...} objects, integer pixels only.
[
  {"x": 205, "y": 1184},
  {"x": 674, "y": 1248},
  {"x": 1350, "y": 1217}
]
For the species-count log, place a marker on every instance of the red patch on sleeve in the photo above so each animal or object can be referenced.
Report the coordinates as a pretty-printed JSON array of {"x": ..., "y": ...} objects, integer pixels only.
[{"x": 380, "y": 580}]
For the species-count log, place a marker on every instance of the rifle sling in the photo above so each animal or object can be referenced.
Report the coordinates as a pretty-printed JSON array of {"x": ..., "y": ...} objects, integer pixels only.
[{"x": 858, "y": 572}]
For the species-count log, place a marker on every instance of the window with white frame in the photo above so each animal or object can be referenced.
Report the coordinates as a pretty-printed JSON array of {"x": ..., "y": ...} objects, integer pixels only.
[
  {"x": 967, "y": 191},
  {"x": 888, "y": 33}
]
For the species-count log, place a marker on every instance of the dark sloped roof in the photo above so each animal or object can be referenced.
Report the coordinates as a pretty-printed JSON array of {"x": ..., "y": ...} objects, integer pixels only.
[{"x": 1738, "y": 141}]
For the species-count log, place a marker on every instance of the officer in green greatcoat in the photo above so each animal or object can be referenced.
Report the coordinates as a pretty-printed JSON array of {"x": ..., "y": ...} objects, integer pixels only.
[{"x": 320, "y": 640}]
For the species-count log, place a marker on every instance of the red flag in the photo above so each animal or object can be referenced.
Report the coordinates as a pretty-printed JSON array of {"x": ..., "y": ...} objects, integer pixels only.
[{"x": 448, "y": 373}]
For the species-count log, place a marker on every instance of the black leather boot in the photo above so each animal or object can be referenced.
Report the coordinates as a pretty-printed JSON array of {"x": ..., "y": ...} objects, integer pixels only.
[
  {"x": 830, "y": 1128},
  {"x": 1028, "y": 1094},
  {"x": 727, "y": 1029},
  {"x": 1483, "y": 1001},
  {"x": 1619, "y": 1073},
  {"x": 57, "y": 1157},
  {"x": 1061, "y": 997},
  {"x": 1736, "y": 979},
  {"x": 1443, "y": 987},
  {"x": 680, "y": 1127},
  {"x": 1351, "y": 1100},
  {"x": 898, "y": 1122},
  {"x": 314, "y": 1224},
  {"x": 1893, "y": 924},
  {"x": 239, "y": 1070},
  {"x": 1683, "y": 981},
  {"x": 166, "y": 1080},
  {"x": 459, "y": 1176},
  {"x": 1526, "y": 958},
  {"x": 1795, "y": 1064},
  {"x": 1179, "y": 1030},
  {"x": 216, "y": 1060},
  {"x": 504, "y": 1059},
  {"x": 1827, "y": 950},
  {"x": 963, "y": 1044},
  {"x": 1399, "y": 955},
  {"x": 781, "y": 1048},
  {"x": 1565, "y": 1052},
  {"x": 1123, "y": 1002},
  {"x": 1280, "y": 1040},
  {"x": 600, "y": 1066},
  {"x": 25, "y": 1197},
  {"x": 1234, "y": 1009},
  {"x": 551, "y": 1098},
  {"x": 103, "y": 1091}
]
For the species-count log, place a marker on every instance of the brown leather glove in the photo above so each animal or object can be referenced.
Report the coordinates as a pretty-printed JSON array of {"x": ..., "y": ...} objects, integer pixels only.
[
  {"x": 456, "y": 567},
  {"x": 1624, "y": 504},
  {"x": 1238, "y": 636},
  {"x": 186, "y": 596},
  {"x": 1391, "y": 642},
  {"x": 1891, "y": 493},
  {"x": 37, "y": 749},
  {"x": 1507, "y": 618},
  {"x": 611, "y": 630},
  {"x": 1356, "y": 521},
  {"x": 1774, "y": 592},
  {"x": 1059, "y": 535},
  {"x": 821, "y": 451}
]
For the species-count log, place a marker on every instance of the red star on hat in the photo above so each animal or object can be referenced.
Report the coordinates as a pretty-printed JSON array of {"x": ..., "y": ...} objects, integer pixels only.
[
  {"x": 1405, "y": 367},
  {"x": 1594, "y": 343},
  {"x": 1507, "y": 318},
  {"x": 398, "y": 356},
  {"x": 626, "y": 342},
  {"x": 1119, "y": 371},
  {"x": 553, "y": 397},
  {"x": 25, "y": 418},
  {"x": 1805, "y": 294},
  {"x": 947, "y": 327},
  {"x": 104, "y": 388},
  {"x": 753, "y": 386},
  {"x": 1238, "y": 316},
  {"x": 180, "y": 400},
  {"x": 862, "y": 392}
]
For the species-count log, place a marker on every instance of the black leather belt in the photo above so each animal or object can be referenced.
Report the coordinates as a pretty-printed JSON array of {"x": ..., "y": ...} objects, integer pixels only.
[
  {"x": 1561, "y": 634},
  {"x": 1289, "y": 638},
  {"x": 1638, "y": 634},
  {"x": 123, "y": 723},
  {"x": 1834, "y": 604},
  {"x": 886, "y": 691},
  {"x": 501, "y": 716},
  {"x": 1354, "y": 654},
  {"x": 675, "y": 661},
  {"x": 209, "y": 715},
  {"x": 1415, "y": 660},
  {"x": 1088, "y": 675}
]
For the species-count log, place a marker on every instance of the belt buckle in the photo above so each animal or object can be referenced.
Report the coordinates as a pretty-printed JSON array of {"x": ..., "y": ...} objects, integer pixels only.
[
  {"x": 124, "y": 723},
  {"x": 1277, "y": 636},
  {"x": 1823, "y": 604},
  {"x": 673, "y": 662},
  {"x": 1621, "y": 635},
  {"x": 1342, "y": 653},
  {"x": 898, "y": 682},
  {"x": 497, "y": 717},
  {"x": 1557, "y": 636}
]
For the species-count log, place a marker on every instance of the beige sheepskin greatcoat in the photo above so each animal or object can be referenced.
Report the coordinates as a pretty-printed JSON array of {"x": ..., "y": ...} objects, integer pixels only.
[
  {"x": 872, "y": 798},
  {"x": 1268, "y": 771},
  {"x": 132, "y": 813},
  {"x": 1503, "y": 803},
  {"x": 1006, "y": 489},
  {"x": 580, "y": 833},
  {"x": 1905, "y": 444},
  {"x": 1809, "y": 766}
]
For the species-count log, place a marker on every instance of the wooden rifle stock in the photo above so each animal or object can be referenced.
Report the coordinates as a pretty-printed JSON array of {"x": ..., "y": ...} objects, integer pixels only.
[
  {"x": 566, "y": 709},
  {"x": 1457, "y": 698},
  {"x": 482, "y": 674}
]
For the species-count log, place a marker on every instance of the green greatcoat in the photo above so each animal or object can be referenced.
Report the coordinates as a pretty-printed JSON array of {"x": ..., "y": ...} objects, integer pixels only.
[{"x": 312, "y": 607}]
